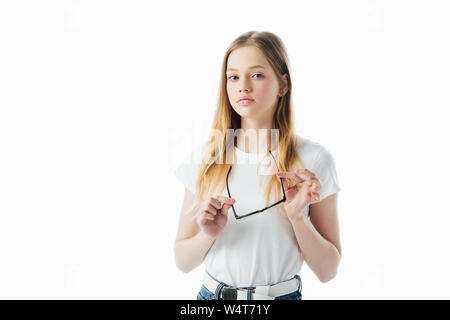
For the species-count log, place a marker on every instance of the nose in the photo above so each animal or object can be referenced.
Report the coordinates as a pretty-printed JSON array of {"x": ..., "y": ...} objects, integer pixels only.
[{"x": 244, "y": 86}]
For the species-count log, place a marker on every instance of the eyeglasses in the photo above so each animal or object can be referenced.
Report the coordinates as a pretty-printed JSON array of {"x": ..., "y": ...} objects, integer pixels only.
[{"x": 261, "y": 210}]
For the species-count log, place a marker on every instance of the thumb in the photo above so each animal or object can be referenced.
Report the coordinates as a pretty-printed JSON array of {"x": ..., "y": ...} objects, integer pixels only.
[{"x": 225, "y": 208}]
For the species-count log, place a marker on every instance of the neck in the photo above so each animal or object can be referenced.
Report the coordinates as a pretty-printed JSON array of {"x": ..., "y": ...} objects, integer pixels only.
[{"x": 255, "y": 136}]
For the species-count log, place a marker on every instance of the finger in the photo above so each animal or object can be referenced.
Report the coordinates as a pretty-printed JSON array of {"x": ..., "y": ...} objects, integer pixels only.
[
  {"x": 224, "y": 209},
  {"x": 211, "y": 209},
  {"x": 315, "y": 196},
  {"x": 290, "y": 175},
  {"x": 304, "y": 173},
  {"x": 205, "y": 217},
  {"x": 315, "y": 183},
  {"x": 315, "y": 188},
  {"x": 209, "y": 216},
  {"x": 215, "y": 203},
  {"x": 225, "y": 199}
]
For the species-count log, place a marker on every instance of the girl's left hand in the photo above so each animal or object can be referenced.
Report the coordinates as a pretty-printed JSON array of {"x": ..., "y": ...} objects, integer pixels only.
[{"x": 301, "y": 194}]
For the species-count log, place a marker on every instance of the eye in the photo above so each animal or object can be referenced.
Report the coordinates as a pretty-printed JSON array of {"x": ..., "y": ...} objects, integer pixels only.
[{"x": 262, "y": 76}]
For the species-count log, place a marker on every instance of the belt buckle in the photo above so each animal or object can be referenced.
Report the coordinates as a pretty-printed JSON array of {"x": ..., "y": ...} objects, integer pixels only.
[{"x": 229, "y": 293}]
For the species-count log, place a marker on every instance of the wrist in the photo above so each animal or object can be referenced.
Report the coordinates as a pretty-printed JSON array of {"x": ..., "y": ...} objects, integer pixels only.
[
  {"x": 299, "y": 216},
  {"x": 206, "y": 236}
]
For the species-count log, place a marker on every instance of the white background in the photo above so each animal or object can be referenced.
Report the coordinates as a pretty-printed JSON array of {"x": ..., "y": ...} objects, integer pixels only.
[{"x": 100, "y": 100}]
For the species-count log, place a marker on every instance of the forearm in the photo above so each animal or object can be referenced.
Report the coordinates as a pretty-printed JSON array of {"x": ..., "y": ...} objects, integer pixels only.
[
  {"x": 190, "y": 253},
  {"x": 320, "y": 254}
]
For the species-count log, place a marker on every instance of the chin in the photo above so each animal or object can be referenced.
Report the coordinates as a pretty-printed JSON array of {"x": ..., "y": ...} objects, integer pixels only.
[{"x": 245, "y": 112}]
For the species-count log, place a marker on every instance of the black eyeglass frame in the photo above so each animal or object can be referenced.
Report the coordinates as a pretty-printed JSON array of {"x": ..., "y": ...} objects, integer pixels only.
[{"x": 261, "y": 210}]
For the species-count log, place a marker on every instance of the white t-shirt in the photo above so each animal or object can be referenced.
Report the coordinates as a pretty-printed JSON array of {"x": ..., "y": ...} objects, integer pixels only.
[{"x": 260, "y": 249}]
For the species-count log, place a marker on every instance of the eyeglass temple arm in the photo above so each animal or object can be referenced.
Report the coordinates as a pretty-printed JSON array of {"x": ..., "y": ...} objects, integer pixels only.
[{"x": 282, "y": 187}]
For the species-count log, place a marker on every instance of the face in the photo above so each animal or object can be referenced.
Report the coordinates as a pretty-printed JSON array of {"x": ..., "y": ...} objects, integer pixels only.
[{"x": 259, "y": 83}]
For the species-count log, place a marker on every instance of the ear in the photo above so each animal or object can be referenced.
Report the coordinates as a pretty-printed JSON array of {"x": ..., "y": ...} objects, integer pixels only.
[{"x": 284, "y": 89}]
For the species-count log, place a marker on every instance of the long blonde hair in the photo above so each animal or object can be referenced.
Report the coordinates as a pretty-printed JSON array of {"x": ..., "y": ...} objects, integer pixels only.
[{"x": 213, "y": 170}]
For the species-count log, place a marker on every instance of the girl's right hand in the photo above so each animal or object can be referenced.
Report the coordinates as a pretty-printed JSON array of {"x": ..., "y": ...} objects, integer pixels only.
[{"x": 213, "y": 215}]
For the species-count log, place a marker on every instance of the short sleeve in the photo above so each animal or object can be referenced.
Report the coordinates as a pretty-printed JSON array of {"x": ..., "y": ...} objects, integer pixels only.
[
  {"x": 325, "y": 171},
  {"x": 188, "y": 168}
]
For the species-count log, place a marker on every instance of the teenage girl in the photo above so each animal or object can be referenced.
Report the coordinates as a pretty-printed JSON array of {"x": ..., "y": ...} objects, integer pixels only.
[{"x": 255, "y": 209}]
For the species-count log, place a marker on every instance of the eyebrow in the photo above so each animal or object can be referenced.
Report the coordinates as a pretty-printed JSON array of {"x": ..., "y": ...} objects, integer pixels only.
[{"x": 252, "y": 67}]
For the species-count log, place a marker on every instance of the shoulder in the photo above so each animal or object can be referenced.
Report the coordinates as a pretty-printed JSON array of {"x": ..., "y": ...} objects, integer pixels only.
[
  {"x": 195, "y": 153},
  {"x": 311, "y": 152},
  {"x": 188, "y": 168},
  {"x": 319, "y": 160}
]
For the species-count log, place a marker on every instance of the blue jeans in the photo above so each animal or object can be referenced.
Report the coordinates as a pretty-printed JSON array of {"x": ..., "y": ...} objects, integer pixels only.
[{"x": 205, "y": 294}]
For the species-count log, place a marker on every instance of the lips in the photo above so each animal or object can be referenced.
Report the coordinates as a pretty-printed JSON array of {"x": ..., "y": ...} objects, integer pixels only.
[
  {"x": 245, "y": 102},
  {"x": 245, "y": 98}
]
